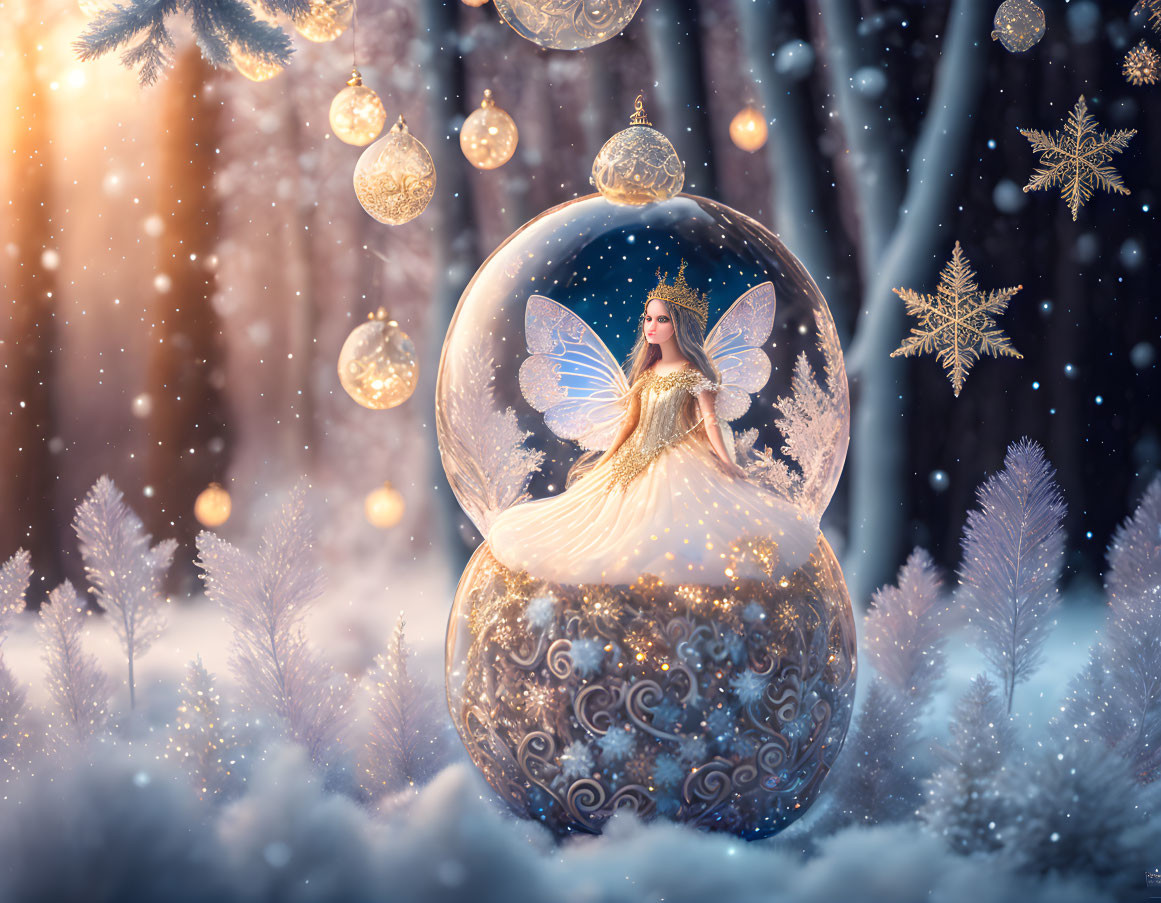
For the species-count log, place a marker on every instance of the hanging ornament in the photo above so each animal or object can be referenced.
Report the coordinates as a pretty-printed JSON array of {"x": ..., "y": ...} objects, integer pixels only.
[
  {"x": 325, "y": 20},
  {"x": 488, "y": 137},
  {"x": 384, "y": 507},
  {"x": 748, "y": 128},
  {"x": 1141, "y": 65},
  {"x": 357, "y": 115},
  {"x": 395, "y": 178},
  {"x": 253, "y": 67},
  {"x": 1019, "y": 25},
  {"x": 212, "y": 506},
  {"x": 638, "y": 165},
  {"x": 567, "y": 24},
  {"x": 377, "y": 364}
]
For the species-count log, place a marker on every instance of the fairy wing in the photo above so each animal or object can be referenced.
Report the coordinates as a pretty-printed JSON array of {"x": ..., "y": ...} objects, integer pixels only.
[
  {"x": 571, "y": 376},
  {"x": 735, "y": 346}
]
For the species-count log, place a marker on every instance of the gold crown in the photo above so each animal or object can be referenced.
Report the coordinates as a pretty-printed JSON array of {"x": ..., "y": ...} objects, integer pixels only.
[{"x": 681, "y": 294}]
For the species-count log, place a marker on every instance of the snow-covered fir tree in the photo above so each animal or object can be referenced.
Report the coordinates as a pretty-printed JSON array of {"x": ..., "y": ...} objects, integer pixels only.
[
  {"x": 1013, "y": 553},
  {"x": 123, "y": 570},
  {"x": 203, "y": 739},
  {"x": 77, "y": 684},
  {"x": 14, "y": 577},
  {"x": 265, "y": 597},
  {"x": 963, "y": 804},
  {"x": 407, "y": 743}
]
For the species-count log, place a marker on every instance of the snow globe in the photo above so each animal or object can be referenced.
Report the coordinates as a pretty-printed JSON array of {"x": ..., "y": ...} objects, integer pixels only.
[{"x": 647, "y": 626}]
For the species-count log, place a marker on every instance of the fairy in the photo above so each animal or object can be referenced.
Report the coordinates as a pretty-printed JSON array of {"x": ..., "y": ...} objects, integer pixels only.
[{"x": 666, "y": 496}]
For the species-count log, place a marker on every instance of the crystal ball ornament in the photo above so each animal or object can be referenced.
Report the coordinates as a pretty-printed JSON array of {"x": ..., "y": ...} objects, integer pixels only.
[
  {"x": 748, "y": 129},
  {"x": 357, "y": 115},
  {"x": 566, "y": 24},
  {"x": 638, "y": 165},
  {"x": 488, "y": 136},
  {"x": 1019, "y": 25},
  {"x": 395, "y": 177},
  {"x": 384, "y": 507},
  {"x": 326, "y": 20},
  {"x": 377, "y": 363},
  {"x": 253, "y": 67},
  {"x": 212, "y": 506},
  {"x": 721, "y": 703}
]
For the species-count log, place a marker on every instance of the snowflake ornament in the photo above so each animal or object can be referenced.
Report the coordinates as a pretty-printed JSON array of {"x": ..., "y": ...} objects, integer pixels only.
[
  {"x": 576, "y": 761},
  {"x": 1142, "y": 65},
  {"x": 956, "y": 324},
  {"x": 1077, "y": 158}
]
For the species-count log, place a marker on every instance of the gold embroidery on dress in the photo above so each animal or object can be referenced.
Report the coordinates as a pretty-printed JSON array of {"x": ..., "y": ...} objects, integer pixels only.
[{"x": 658, "y": 427}]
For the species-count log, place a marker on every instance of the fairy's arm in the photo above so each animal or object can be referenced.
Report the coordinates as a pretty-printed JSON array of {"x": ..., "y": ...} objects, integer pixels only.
[
  {"x": 705, "y": 402},
  {"x": 628, "y": 424}
]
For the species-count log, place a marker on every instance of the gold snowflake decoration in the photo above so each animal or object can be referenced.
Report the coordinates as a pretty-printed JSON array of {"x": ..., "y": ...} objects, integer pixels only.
[
  {"x": 1077, "y": 157},
  {"x": 957, "y": 323},
  {"x": 1153, "y": 9},
  {"x": 1141, "y": 65}
]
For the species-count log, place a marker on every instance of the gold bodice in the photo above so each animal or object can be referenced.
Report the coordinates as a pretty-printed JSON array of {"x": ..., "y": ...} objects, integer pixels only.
[{"x": 668, "y": 413}]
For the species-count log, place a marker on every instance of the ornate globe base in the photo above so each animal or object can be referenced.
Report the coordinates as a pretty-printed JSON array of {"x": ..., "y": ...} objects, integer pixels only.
[{"x": 722, "y": 707}]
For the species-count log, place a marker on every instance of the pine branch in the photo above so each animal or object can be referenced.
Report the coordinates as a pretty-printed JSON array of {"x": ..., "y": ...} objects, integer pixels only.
[
  {"x": 78, "y": 686},
  {"x": 266, "y": 597},
  {"x": 406, "y": 744},
  {"x": 14, "y": 578},
  {"x": 1013, "y": 555},
  {"x": 125, "y": 573}
]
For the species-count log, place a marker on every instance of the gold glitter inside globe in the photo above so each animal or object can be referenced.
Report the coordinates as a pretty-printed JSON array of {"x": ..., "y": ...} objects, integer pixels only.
[
  {"x": 488, "y": 137},
  {"x": 212, "y": 506},
  {"x": 748, "y": 128},
  {"x": 395, "y": 178},
  {"x": 253, "y": 67},
  {"x": 1019, "y": 25},
  {"x": 567, "y": 24},
  {"x": 384, "y": 507},
  {"x": 377, "y": 364},
  {"x": 326, "y": 20},
  {"x": 638, "y": 165},
  {"x": 357, "y": 115}
]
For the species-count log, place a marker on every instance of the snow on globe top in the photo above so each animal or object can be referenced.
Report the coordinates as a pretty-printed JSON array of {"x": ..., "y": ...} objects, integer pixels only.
[{"x": 563, "y": 299}]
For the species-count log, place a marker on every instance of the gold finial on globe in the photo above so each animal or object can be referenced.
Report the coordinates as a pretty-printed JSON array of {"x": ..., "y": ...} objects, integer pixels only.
[{"x": 638, "y": 165}]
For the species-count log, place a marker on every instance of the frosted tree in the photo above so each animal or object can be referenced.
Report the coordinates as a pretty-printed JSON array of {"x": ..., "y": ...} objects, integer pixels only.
[
  {"x": 14, "y": 577},
  {"x": 124, "y": 571},
  {"x": 218, "y": 26},
  {"x": 1013, "y": 552},
  {"x": 406, "y": 744},
  {"x": 1118, "y": 695},
  {"x": 265, "y": 597},
  {"x": 964, "y": 805},
  {"x": 78, "y": 686},
  {"x": 203, "y": 737},
  {"x": 1077, "y": 810},
  {"x": 878, "y": 775}
]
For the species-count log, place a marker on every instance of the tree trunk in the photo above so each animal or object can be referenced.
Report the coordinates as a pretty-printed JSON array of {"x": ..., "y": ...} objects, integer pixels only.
[
  {"x": 189, "y": 443},
  {"x": 28, "y": 517}
]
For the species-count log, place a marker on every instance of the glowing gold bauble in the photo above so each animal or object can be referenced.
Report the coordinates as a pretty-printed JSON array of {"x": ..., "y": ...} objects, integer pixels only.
[
  {"x": 1019, "y": 25},
  {"x": 254, "y": 67},
  {"x": 377, "y": 364},
  {"x": 325, "y": 20},
  {"x": 475, "y": 2},
  {"x": 638, "y": 165},
  {"x": 488, "y": 137},
  {"x": 748, "y": 128},
  {"x": 384, "y": 507},
  {"x": 567, "y": 24},
  {"x": 357, "y": 115},
  {"x": 212, "y": 506},
  {"x": 395, "y": 178}
]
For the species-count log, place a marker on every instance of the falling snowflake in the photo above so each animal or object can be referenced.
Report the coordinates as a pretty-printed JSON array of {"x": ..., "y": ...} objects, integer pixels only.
[
  {"x": 586, "y": 656},
  {"x": 1141, "y": 65},
  {"x": 693, "y": 749},
  {"x": 540, "y": 611},
  {"x": 617, "y": 745},
  {"x": 668, "y": 771},
  {"x": 748, "y": 686},
  {"x": 576, "y": 761},
  {"x": 957, "y": 323},
  {"x": 1076, "y": 158}
]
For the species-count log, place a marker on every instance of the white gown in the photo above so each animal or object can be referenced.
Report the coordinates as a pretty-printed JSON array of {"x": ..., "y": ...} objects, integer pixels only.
[{"x": 662, "y": 504}]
